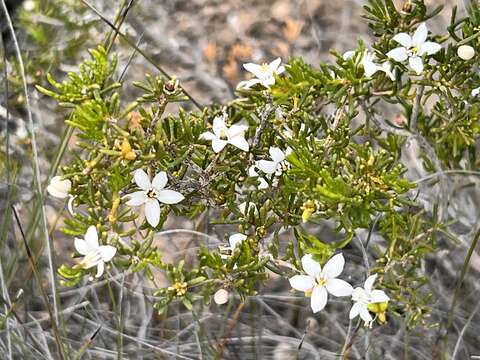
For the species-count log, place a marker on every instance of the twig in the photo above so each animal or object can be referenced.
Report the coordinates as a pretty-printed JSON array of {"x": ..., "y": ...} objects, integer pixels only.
[{"x": 233, "y": 322}]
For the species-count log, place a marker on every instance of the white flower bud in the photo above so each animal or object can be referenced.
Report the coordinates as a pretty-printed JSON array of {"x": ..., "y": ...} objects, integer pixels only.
[
  {"x": 221, "y": 297},
  {"x": 465, "y": 52},
  {"x": 59, "y": 188}
]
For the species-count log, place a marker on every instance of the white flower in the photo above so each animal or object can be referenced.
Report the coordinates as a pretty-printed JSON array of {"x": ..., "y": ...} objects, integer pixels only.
[
  {"x": 95, "y": 254},
  {"x": 413, "y": 48},
  {"x": 321, "y": 282},
  {"x": 465, "y": 52},
  {"x": 236, "y": 239},
  {"x": 273, "y": 166},
  {"x": 364, "y": 296},
  {"x": 59, "y": 188},
  {"x": 223, "y": 135},
  {"x": 252, "y": 172},
  {"x": 475, "y": 92},
  {"x": 152, "y": 194},
  {"x": 264, "y": 74},
  {"x": 370, "y": 66}
]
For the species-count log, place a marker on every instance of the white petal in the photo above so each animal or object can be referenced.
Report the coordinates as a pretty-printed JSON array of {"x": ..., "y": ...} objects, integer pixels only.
[
  {"x": 100, "y": 269},
  {"x": 310, "y": 266},
  {"x": 398, "y": 54},
  {"x": 152, "y": 212},
  {"x": 207, "y": 136},
  {"x": 370, "y": 67},
  {"x": 236, "y": 239},
  {"x": 239, "y": 142},
  {"x": 107, "y": 252},
  {"x": 268, "y": 81},
  {"x": 377, "y": 296},
  {"x": 268, "y": 167},
  {"x": 429, "y": 48},
  {"x": 236, "y": 130},
  {"x": 334, "y": 266},
  {"x": 475, "y": 92},
  {"x": 276, "y": 154},
  {"x": 263, "y": 184},
  {"x": 248, "y": 83},
  {"x": 416, "y": 64},
  {"x": 169, "y": 196},
  {"x": 387, "y": 69},
  {"x": 59, "y": 188},
  {"x": 369, "y": 283},
  {"x": 252, "y": 172},
  {"x": 273, "y": 66},
  {"x": 137, "y": 198},
  {"x": 338, "y": 287},
  {"x": 302, "y": 282},
  {"x": 365, "y": 314},
  {"x": 160, "y": 180},
  {"x": 420, "y": 35},
  {"x": 81, "y": 246},
  {"x": 403, "y": 39},
  {"x": 70, "y": 204},
  {"x": 218, "y": 145},
  {"x": 142, "y": 180},
  {"x": 280, "y": 70},
  {"x": 319, "y": 298},
  {"x": 219, "y": 125},
  {"x": 348, "y": 54},
  {"x": 91, "y": 237},
  {"x": 355, "y": 310},
  {"x": 253, "y": 68}
]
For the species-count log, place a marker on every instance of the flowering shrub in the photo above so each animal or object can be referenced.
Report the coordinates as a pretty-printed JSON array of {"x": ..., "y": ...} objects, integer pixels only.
[{"x": 299, "y": 144}]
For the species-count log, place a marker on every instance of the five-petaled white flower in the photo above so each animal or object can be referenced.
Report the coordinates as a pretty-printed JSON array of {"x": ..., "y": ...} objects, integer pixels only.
[
  {"x": 152, "y": 194},
  {"x": 264, "y": 74},
  {"x": 364, "y": 296},
  {"x": 320, "y": 281},
  {"x": 223, "y": 135},
  {"x": 370, "y": 66},
  {"x": 413, "y": 48},
  {"x": 269, "y": 167},
  {"x": 94, "y": 254}
]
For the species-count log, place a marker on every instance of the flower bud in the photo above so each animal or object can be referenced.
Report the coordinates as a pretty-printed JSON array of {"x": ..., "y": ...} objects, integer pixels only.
[
  {"x": 465, "y": 52},
  {"x": 59, "y": 188},
  {"x": 221, "y": 296}
]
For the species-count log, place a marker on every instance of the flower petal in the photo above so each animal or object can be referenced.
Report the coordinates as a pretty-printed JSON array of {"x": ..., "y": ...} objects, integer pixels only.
[
  {"x": 369, "y": 67},
  {"x": 59, "y": 188},
  {"x": 377, "y": 296},
  {"x": 403, "y": 39},
  {"x": 276, "y": 154},
  {"x": 107, "y": 252},
  {"x": 219, "y": 125},
  {"x": 263, "y": 184},
  {"x": 365, "y": 314},
  {"x": 236, "y": 239},
  {"x": 236, "y": 130},
  {"x": 310, "y": 266},
  {"x": 420, "y": 35},
  {"x": 253, "y": 68},
  {"x": 339, "y": 287},
  {"x": 334, "y": 266},
  {"x": 239, "y": 142},
  {"x": 160, "y": 180},
  {"x": 398, "y": 54},
  {"x": 348, "y": 54},
  {"x": 302, "y": 282},
  {"x": 137, "y": 198},
  {"x": 247, "y": 84},
  {"x": 267, "y": 166},
  {"x": 280, "y": 70},
  {"x": 152, "y": 212},
  {"x": 169, "y": 197},
  {"x": 81, "y": 246},
  {"x": 355, "y": 310},
  {"x": 100, "y": 269},
  {"x": 218, "y": 145},
  {"x": 319, "y": 298},
  {"x": 369, "y": 283},
  {"x": 429, "y": 48},
  {"x": 91, "y": 237},
  {"x": 207, "y": 136},
  {"x": 273, "y": 66},
  {"x": 416, "y": 64},
  {"x": 142, "y": 180}
]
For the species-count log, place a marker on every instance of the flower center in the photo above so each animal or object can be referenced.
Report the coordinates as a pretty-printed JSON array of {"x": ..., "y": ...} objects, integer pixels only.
[
  {"x": 264, "y": 68},
  {"x": 413, "y": 51},
  {"x": 321, "y": 281},
  {"x": 223, "y": 133},
  {"x": 151, "y": 194}
]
